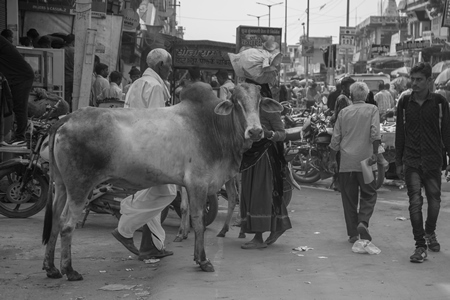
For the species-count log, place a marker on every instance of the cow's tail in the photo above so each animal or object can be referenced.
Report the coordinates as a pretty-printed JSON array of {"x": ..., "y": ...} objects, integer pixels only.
[{"x": 48, "y": 219}]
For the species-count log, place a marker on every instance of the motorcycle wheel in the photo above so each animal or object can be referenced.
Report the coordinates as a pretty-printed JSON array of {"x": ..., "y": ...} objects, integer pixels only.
[
  {"x": 303, "y": 171},
  {"x": 13, "y": 204}
]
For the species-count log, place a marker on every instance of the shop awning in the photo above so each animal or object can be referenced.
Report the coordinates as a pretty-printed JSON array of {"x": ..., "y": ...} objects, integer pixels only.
[{"x": 384, "y": 59}]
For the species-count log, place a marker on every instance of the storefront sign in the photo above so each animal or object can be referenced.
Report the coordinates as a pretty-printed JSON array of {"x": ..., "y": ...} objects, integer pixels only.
[
  {"x": 130, "y": 19},
  {"x": 446, "y": 17},
  {"x": 307, "y": 48},
  {"x": 379, "y": 50},
  {"x": 252, "y": 37},
  {"x": 207, "y": 55},
  {"x": 98, "y": 7},
  {"x": 412, "y": 45},
  {"x": 347, "y": 37}
]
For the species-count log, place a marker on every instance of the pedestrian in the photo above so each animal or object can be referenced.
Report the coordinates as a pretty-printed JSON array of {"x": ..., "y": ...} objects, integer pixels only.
[
  {"x": 101, "y": 82},
  {"x": 422, "y": 127},
  {"x": 195, "y": 74},
  {"x": 135, "y": 74},
  {"x": 69, "y": 63},
  {"x": 371, "y": 99},
  {"x": 284, "y": 96},
  {"x": 33, "y": 35},
  {"x": 312, "y": 96},
  {"x": 331, "y": 102},
  {"x": 147, "y": 92},
  {"x": 8, "y": 34},
  {"x": 114, "y": 92},
  {"x": 262, "y": 205},
  {"x": 343, "y": 100},
  {"x": 20, "y": 77},
  {"x": 356, "y": 136},
  {"x": 226, "y": 85},
  {"x": 384, "y": 100}
]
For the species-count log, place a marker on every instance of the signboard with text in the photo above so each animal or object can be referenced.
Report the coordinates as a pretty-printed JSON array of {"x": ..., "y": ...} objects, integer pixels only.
[
  {"x": 253, "y": 37},
  {"x": 67, "y": 7},
  {"x": 446, "y": 16},
  {"x": 347, "y": 37},
  {"x": 202, "y": 54}
]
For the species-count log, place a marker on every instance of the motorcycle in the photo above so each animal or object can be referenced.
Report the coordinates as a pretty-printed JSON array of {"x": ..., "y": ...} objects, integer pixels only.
[{"x": 23, "y": 180}]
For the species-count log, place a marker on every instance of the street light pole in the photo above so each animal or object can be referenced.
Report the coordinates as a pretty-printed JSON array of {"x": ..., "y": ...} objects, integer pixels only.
[
  {"x": 269, "y": 6},
  {"x": 257, "y": 17}
]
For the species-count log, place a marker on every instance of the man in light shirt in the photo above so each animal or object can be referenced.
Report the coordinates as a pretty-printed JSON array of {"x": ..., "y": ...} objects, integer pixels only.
[
  {"x": 226, "y": 85},
  {"x": 113, "y": 92},
  {"x": 100, "y": 82},
  {"x": 384, "y": 101},
  {"x": 357, "y": 136},
  {"x": 149, "y": 91}
]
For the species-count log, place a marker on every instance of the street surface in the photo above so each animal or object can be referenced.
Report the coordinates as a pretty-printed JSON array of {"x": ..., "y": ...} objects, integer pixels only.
[{"x": 328, "y": 271}]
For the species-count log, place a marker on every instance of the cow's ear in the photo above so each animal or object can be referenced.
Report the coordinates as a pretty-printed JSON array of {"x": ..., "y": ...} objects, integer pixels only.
[
  {"x": 270, "y": 105},
  {"x": 224, "y": 108}
]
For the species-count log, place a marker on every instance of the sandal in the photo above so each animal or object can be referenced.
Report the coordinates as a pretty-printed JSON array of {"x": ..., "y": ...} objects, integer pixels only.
[
  {"x": 273, "y": 237},
  {"x": 253, "y": 245}
]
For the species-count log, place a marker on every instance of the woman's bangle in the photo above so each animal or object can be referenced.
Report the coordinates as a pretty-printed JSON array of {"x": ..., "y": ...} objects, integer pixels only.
[{"x": 271, "y": 137}]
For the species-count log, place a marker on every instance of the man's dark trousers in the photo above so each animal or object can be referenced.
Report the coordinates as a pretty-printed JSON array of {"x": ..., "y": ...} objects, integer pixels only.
[
  {"x": 353, "y": 188},
  {"x": 431, "y": 181},
  {"x": 20, "y": 93}
]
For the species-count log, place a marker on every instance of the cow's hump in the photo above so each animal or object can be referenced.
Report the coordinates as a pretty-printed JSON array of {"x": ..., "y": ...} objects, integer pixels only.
[{"x": 198, "y": 92}]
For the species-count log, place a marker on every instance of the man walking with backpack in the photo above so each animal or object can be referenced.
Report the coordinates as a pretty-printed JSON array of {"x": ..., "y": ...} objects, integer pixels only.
[{"x": 422, "y": 130}]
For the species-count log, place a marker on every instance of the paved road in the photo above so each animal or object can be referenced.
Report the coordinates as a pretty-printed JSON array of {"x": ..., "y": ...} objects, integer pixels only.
[{"x": 329, "y": 271}]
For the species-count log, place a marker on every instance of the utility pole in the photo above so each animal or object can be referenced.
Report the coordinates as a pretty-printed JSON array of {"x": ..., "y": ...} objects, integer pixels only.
[
  {"x": 174, "y": 5},
  {"x": 346, "y": 50},
  {"x": 285, "y": 38},
  {"x": 307, "y": 39}
]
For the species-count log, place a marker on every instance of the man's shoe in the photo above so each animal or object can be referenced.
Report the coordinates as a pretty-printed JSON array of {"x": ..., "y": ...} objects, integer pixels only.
[
  {"x": 420, "y": 254},
  {"x": 353, "y": 239},
  {"x": 432, "y": 242},
  {"x": 127, "y": 242},
  {"x": 363, "y": 232},
  {"x": 155, "y": 254},
  {"x": 15, "y": 143}
]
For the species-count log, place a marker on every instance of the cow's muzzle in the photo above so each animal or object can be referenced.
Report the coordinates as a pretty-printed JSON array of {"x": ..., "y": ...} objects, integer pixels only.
[{"x": 255, "y": 133}]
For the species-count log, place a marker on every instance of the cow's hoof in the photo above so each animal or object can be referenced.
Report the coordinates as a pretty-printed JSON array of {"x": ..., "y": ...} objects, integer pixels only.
[
  {"x": 54, "y": 273},
  {"x": 223, "y": 231},
  {"x": 221, "y": 234},
  {"x": 178, "y": 239},
  {"x": 74, "y": 276},
  {"x": 206, "y": 266},
  {"x": 241, "y": 235}
]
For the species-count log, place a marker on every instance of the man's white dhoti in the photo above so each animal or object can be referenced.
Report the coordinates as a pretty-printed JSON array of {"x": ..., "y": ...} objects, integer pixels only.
[{"x": 145, "y": 207}]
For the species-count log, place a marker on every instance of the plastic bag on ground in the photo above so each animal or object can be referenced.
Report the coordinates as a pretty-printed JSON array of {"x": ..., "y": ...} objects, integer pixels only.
[{"x": 365, "y": 246}]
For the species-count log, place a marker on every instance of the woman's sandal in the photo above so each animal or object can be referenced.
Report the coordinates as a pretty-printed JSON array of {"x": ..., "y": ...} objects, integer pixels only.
[{"x": 253, "y": 245}]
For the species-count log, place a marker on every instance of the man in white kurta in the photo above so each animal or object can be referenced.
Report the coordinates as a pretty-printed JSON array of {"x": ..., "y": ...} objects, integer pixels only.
[{"x": 145, "y": 206}]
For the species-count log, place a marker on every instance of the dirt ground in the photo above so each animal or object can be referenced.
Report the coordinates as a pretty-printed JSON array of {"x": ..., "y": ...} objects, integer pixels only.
[{"x": 328, "y": 271}]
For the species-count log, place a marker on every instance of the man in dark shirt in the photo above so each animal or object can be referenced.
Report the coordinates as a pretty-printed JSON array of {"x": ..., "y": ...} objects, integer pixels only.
[
  {"x": 20, "y": 78},
  {"x": 423, "y": 126},
  {"x": 331, "y": 102}
]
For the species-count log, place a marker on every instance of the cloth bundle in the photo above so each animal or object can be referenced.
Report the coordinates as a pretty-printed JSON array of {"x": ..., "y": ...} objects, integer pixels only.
[{"x": 256, "y": 64}]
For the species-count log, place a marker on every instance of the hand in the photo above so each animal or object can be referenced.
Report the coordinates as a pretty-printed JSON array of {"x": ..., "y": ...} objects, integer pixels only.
[
  {"x": 399, "y": 171},
  {"x": 373, "y": 159},
  {"x": 268, "y": 133},
  {"x": 332, "y": 166},
  {"x": 446, "y": 172}
]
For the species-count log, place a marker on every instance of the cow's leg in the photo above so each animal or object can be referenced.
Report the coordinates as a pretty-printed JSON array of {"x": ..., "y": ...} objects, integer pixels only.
[
  {"x": 183, "y": 231},
  {"x": 232, "y": 194},
  {"x": 73, "y": 209},
  {"x": 58, "y": 206},
  {"x": 197, "y": 200}
]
